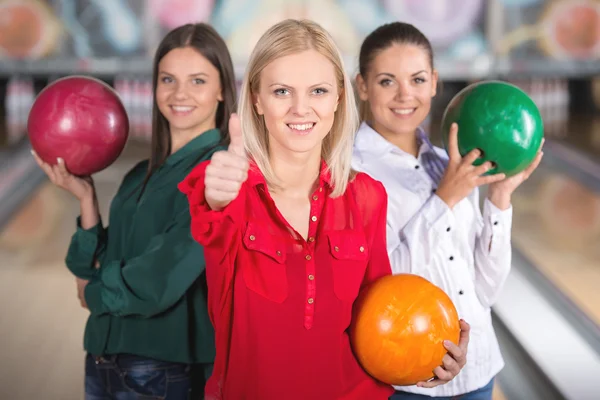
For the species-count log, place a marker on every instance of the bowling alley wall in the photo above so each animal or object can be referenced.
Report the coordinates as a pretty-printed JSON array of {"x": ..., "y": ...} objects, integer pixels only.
[{"x": 549, "y": 48}]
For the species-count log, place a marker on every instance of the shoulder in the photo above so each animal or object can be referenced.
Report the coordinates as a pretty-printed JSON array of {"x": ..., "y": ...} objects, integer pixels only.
[
  {"x": 194, "y": 180},
  {"x": 203, "y": 157},
  {"x": 136, "y": 174},
  {"x": 370, "y": 194}
]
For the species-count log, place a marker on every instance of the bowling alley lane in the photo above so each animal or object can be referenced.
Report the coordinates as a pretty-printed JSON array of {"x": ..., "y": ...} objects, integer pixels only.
[
  {"x": 42, "y": 323},
  {"x": 557, "y": 215},
  {"x": 550, "y": 302}
]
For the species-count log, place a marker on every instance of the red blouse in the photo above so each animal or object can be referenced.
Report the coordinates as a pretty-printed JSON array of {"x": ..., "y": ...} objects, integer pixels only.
[{"x": 281, "y": 305}]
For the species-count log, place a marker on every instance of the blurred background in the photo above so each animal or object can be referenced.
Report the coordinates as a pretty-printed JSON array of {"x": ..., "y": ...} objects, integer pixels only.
[{"x": 548, "y": 318}]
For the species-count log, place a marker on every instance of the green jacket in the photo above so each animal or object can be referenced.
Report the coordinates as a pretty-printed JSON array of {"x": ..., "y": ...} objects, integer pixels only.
[{"x": 148, "y": 297}]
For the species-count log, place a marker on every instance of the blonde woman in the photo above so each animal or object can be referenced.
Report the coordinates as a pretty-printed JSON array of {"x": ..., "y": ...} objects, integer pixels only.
[{"x": 290, "y": 234}]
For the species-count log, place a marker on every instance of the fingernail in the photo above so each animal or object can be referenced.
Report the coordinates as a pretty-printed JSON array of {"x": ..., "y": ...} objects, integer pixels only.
[
  {"x": 59, "y": 160},
  {"x": 32, "y": 152},
  {"x": 446, "y": 343}
]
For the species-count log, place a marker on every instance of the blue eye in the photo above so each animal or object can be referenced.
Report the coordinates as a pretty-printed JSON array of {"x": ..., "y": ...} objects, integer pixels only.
[
  {"x": 320, "y": 91},
  {"x": 281, "y": 92}
]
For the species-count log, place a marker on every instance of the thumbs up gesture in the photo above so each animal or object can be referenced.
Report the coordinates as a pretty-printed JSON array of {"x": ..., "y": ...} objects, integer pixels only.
[{"x": 227, "y": 170}]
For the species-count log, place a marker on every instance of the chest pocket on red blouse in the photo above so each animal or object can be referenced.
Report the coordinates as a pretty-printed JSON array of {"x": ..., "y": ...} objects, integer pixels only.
[
  {"x": 350, "y": 257},
  {"x": 265, "y": 270}
]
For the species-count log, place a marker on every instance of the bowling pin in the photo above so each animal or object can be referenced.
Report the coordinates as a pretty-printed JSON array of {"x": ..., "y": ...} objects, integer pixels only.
[
  {"x": 137, "y": 106},
  {"x": 126, "y": 88},
  {"x": 12, "y": 110},
  {"x": 147, "y": 116}
]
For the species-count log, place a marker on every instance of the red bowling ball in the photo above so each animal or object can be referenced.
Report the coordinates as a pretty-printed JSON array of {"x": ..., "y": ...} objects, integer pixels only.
[{"x": 80, "y": 119}]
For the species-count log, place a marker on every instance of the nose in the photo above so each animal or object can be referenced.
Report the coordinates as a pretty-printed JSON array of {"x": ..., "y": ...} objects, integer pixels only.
[
  {"x": 180, "y": 91},
  {"x": 404, "y": 91},
  {"x": 300, "y": 105}
]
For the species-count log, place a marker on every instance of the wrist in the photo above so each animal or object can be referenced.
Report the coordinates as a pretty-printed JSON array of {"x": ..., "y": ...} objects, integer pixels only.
[
  {"x": 446, "y": 198},
  {"x": 88, "y": 197},
  {"x": 500, "y": 199}
]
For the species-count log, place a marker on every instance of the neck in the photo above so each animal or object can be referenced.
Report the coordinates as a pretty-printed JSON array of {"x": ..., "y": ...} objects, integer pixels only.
[
  {"x": 298, "y": 173},
  {"x": 405, "y": 141},
  {"x": 181, "y": 137}
]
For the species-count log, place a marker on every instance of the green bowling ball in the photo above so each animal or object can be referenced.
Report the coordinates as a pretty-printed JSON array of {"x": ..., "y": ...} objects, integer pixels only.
[{"x": 499, "y": 119}]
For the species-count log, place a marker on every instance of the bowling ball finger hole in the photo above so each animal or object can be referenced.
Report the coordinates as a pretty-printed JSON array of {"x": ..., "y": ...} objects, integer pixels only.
[{"x": 482, "y": 156}]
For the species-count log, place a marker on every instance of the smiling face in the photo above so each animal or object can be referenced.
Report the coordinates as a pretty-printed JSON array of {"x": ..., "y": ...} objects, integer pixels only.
[
  {"x": 188, "y": 91},
  {"x": 399, "y": 85},
  {"x": 297, "y": 97}
]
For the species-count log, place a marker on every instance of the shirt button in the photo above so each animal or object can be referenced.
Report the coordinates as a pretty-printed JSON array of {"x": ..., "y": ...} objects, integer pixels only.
[
  {"x": 417, "y": 167},
  {"x": 361, "y": 249},
  {"x": 310, "y": 300},
  {"x": 448, "y": 229},
  {"x": 461, "y": 292},
  {"x": 278, "y": 252},
  {"x": 311, "y": 277},
  {"x": 451, "y": 258},
  {"x": 433, "y": 190},
  {"x": 252, "y": 237},
  {"x": 311, "y": 239},
  {"x": 320, "y": 189},
  {"x": 313, "y": 218},
  {"x": 308, "y": 257},
  {"x": 495, "y": 222},
  {"x": 315, "y": 197},
  {"x": 336, "y": 248}
]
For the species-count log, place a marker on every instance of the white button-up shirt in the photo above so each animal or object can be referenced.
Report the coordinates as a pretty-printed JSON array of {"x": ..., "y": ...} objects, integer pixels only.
[{"x": 465, "y": 253}]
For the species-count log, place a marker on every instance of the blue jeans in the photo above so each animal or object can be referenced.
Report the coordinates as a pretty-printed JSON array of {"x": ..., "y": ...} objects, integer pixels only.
[
  {"x": 128, "y": 377},
  {"x": 485, "y": 393}
]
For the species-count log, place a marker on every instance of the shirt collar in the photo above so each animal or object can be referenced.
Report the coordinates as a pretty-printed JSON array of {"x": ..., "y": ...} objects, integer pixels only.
[
  {"x": 207, "y": 139},
  {"x": 255, "y": 176},
  {"x": 368, "y": 140}
]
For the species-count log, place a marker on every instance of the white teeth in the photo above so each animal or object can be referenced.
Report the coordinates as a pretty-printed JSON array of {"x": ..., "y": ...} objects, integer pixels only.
[
  {"x": 404, "y": 111},
  {"x": 301, "y": 127},
  {"x": 182, "y": 108}
]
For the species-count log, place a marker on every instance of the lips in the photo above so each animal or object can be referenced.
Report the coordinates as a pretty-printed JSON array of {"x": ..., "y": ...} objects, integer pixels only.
[
  {"x": 403, "y": 111},
  {"x": 303, "y": 128},
  {"x": 182, "y": 110}
]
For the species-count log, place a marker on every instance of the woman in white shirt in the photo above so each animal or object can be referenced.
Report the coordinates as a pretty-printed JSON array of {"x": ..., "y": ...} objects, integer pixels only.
[{"x": 435, "y": 227}]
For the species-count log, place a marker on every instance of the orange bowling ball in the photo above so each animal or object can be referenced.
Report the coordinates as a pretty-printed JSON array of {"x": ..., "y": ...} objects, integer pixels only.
[{"x": 398, "y": 328}]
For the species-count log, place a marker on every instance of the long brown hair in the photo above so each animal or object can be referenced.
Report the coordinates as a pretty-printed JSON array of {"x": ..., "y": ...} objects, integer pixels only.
[{"x": 204, "y": 39}]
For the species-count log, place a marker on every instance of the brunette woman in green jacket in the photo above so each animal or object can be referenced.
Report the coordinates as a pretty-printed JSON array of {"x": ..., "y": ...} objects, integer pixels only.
[{"x": 142, "y": 276}]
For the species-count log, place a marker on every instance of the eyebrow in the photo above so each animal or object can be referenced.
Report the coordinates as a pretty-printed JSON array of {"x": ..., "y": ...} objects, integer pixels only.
[
  {"x": 195, "y": 74},
  {"x": 394, "y": 76},
  {"x": 318, "y": 84}
]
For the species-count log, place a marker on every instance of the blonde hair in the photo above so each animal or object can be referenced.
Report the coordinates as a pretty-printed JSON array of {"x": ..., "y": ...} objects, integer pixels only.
[{"x": 286, "y": 38}]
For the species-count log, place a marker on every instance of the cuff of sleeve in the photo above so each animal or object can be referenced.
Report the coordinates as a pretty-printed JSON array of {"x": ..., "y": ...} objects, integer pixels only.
[
  {"x": 499, "y": 219},
  {"x": 102, "y": 294},
  {"x": 93, "y": 297},
  {"x": 202, "y": 215},
  {"x": 88, "y": 238},
  {"x": 498, "y": 223},
  {"x": 438, "y": 215}
]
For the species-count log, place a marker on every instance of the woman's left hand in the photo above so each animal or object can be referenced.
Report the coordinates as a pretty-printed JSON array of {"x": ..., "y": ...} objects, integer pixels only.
[
  {"x": 453, "y": 361},
  {"x": 500, "y": 192}
]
